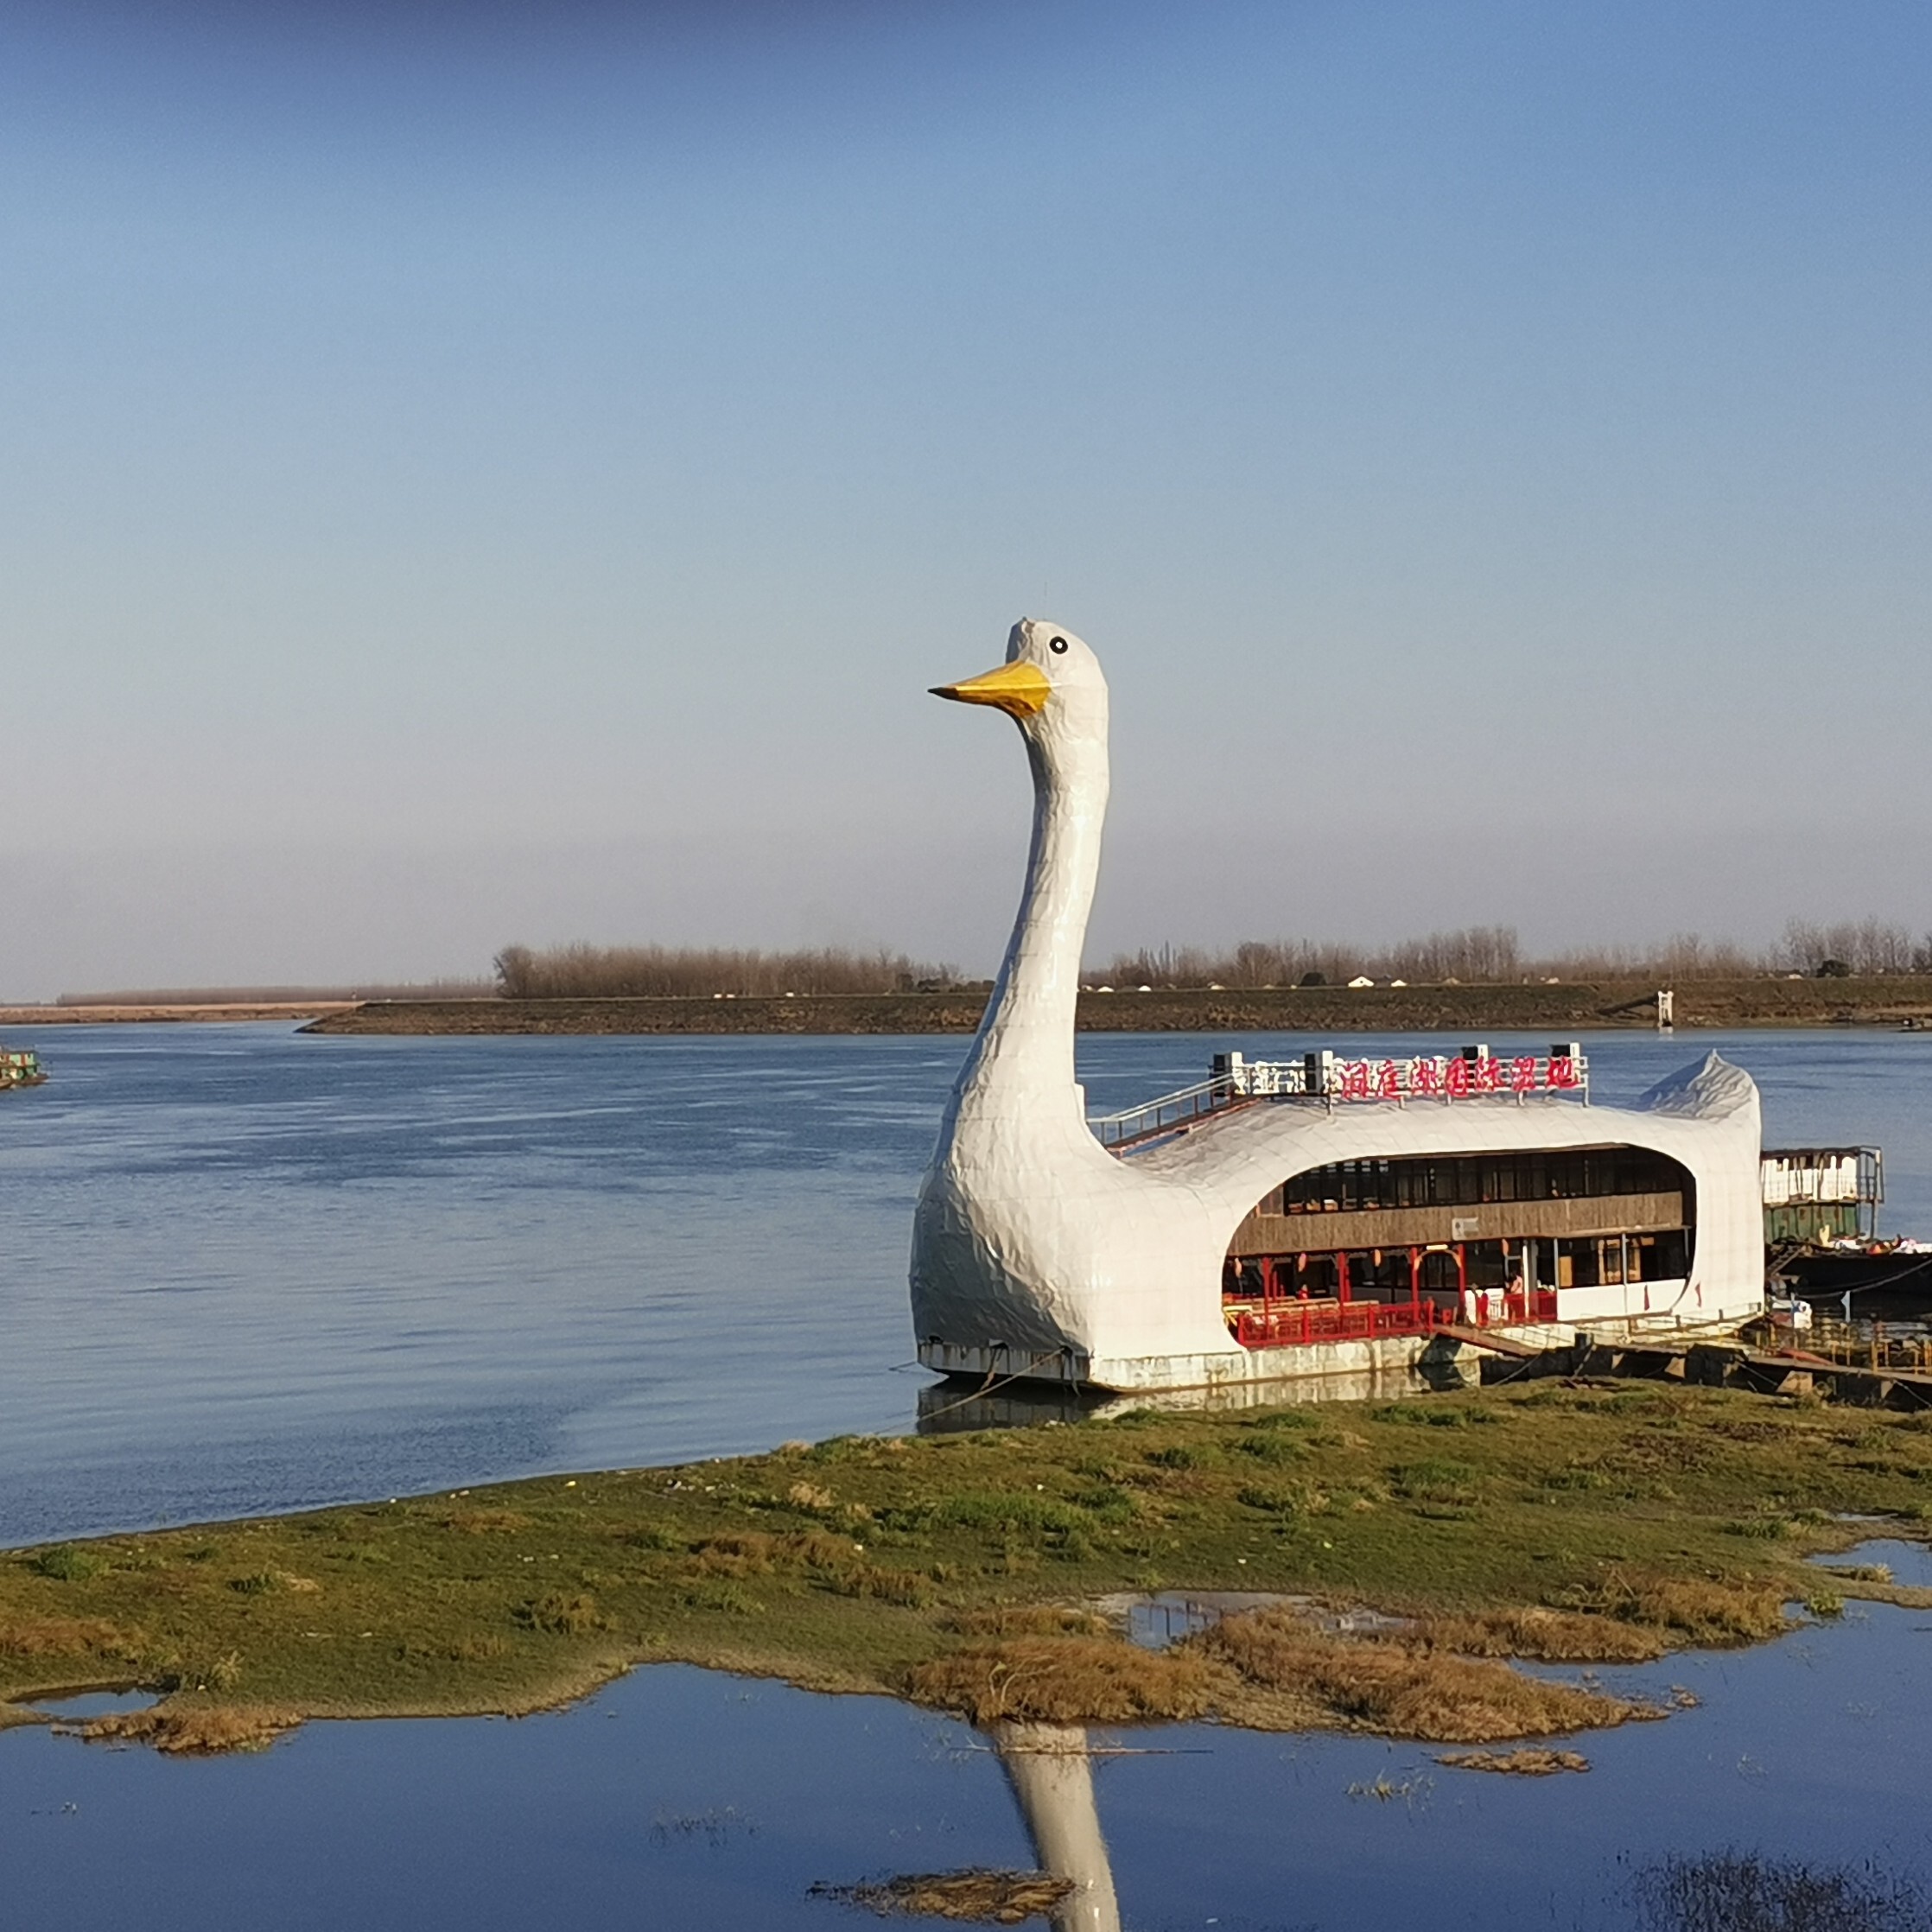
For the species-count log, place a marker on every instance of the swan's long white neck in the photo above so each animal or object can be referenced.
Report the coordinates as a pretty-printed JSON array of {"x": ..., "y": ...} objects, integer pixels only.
[{"x": 1020, "y": 1069}]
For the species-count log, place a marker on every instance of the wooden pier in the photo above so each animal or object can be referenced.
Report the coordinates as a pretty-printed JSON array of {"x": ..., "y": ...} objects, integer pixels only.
[{"x": 1870, "y": 1370}]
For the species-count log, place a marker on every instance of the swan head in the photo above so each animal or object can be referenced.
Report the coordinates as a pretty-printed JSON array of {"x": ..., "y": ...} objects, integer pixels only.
[{"x": 1051, "y": 683}]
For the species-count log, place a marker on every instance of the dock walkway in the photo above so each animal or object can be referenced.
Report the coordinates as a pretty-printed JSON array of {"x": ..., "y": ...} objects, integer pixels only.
[{"x": 1883, "y": 1375}]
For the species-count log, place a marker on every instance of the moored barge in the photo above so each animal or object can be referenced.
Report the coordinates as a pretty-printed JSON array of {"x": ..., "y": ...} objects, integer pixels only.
[{"x": 1821, "y": 1232}]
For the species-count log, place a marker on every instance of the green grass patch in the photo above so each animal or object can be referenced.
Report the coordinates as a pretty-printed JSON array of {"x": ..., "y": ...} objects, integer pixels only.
[
  {"x": 67, "y": 1563},
  {"x": 1436, "y": 1480},
  {"x": 1683, "y": 1515}
]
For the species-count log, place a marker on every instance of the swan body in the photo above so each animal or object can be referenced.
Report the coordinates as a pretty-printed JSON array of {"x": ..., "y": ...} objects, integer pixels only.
[{"x": 1037, "y": 1253}]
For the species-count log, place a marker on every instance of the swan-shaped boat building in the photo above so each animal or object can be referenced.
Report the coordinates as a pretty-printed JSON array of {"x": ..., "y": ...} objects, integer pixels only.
[{"x": 1286, "y": 1220}]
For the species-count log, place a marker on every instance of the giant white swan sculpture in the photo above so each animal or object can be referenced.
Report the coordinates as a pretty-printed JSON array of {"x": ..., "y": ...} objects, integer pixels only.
[{"x": 1038, "y": 1253}]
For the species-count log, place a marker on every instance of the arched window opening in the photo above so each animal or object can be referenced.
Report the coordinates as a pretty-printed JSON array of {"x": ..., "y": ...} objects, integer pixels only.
[{"x": 1410, "y": 1243}]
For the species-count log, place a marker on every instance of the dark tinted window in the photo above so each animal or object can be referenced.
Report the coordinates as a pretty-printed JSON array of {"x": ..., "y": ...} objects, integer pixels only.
[{"x": 1459, "y": 1180}]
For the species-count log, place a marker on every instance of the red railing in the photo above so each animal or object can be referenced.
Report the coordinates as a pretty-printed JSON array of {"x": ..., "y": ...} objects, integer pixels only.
[
  {"x": 1291, "y": 1324},
  {"x": 1514, "y": 1305},
  {"x": 1296, "y": 1324}
]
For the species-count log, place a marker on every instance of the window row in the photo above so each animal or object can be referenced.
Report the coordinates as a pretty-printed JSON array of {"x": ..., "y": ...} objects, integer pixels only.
[
  {"x": 1466, "y": 1180},
  {"x": 1403, "y": 1274}
]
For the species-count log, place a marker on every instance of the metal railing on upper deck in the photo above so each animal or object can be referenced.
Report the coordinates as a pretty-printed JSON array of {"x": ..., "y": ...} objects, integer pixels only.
[
  {"x": 1168, "y": 1115},
  {"x": 1473, "y": 1074}
]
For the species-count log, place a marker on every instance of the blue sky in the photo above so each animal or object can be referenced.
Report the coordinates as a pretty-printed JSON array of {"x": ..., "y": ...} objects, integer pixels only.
[{"x": 479, "y": 474}]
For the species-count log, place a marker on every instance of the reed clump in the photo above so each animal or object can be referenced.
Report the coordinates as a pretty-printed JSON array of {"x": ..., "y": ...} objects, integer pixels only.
[
  {"x": 70, "y": 1637},
  {"x": 67, "y": 1563},
  {"x": 1034, "y": 1620},
  {"x": 976, "y": 1896},
  {"x": 1532, "y": 1631},
  {"x": 564, "y": 1613},
  {"x": 194, "y": 1730},
  {"x": 1399, "y": 1689},
  {"x": 1527, "y": 1763},
  {"x": 1707, "y": 1611},
  {"x": 1071, "y": 1680}
]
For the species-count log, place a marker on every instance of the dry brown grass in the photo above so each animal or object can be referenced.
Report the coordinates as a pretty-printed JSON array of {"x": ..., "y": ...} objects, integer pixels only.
[
  {"x": 288, "y": 1579},
  {"x": 1707, "y": 1611},
  {"x": 194, "y": 1730},
  {"x": 1531, "y": 1630},
  {"x": 911, "y": 1589},
  {"x": 749, "y": 1555},
  {"x": 821, "y": 1550},
  {"x": 481, "y": 1648},
  {"x": 69, "y": 1636},
  {"x": 757, "y": 1553},
  {"x": 1033, "y": 1620},
  {"x": 564, "y": 1613},
  {"x": 1385, "y": 1686},
  {"x": 1073, "y": 1679},
  {"x": 977, "y": 1897},
  {"x": 486, "y": 1522},
  {"x": 1528, "y": 1762}
]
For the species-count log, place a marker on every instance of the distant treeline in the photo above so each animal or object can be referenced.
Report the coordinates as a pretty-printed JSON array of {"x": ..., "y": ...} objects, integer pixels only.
[
  {"x": 684, "y": 972},
  {"x": 1470, "y": 956},
  {"x": 1490, "y": 954},
  {"x": 281, "y": 995}
]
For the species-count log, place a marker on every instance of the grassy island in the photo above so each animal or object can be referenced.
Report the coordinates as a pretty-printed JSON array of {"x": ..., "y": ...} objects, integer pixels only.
[{"x": 1559, "y": 1521}]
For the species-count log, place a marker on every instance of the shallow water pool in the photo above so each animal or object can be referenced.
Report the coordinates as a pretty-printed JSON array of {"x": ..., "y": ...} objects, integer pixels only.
[{"x": 679, "y": 1798}]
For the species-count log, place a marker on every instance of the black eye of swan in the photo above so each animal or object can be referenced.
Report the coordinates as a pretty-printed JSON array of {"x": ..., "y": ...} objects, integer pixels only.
[{"x": 1056, "y": 644}]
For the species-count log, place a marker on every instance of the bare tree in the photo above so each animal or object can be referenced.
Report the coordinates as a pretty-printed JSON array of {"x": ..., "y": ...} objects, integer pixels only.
[{"x": 582, "y": 972}]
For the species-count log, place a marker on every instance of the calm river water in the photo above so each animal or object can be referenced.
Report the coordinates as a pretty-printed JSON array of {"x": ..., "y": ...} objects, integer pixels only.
[{"x": 243, "y": 1270}]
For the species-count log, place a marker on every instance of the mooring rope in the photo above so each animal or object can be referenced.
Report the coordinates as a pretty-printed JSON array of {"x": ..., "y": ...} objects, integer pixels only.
[{"x": 987, "y": 1387}]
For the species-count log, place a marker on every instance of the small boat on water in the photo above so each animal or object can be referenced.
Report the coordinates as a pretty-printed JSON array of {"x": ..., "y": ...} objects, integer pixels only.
[{"x": 21, "y": 1069}]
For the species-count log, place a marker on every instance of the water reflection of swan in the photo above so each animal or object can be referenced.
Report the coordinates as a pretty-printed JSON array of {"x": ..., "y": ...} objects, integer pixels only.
[
  {"x": 1052, "y": 1778},
  {"x": 1038, "y": 1253}
]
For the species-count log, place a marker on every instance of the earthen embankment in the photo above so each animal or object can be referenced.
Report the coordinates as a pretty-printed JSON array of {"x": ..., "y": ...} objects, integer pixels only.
[{"x": 1583, "y": 1005}]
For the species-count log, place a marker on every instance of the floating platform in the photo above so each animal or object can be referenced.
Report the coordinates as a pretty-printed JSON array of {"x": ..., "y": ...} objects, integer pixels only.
[
  {"x": 1895, "y": 1276},
  {"x": 21, "y": 1069}
]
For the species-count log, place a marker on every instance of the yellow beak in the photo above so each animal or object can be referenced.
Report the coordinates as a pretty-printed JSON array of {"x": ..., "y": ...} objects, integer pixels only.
[{"x": 1019, "y": 689}]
